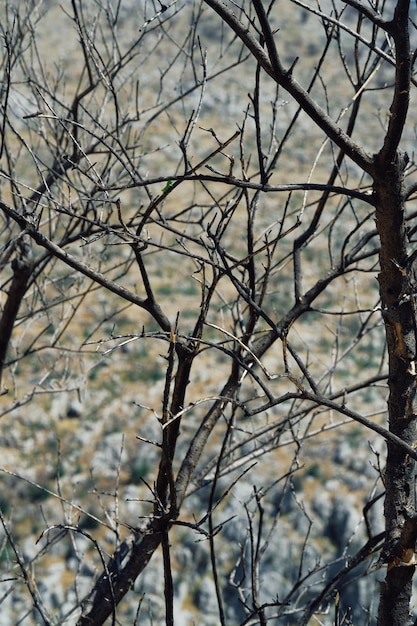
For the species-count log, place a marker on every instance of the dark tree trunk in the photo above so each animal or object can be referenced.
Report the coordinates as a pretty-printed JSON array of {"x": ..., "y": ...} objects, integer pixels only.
[
  {"x": 397, "y": 289},
  {"x": 22, "y": 269}
]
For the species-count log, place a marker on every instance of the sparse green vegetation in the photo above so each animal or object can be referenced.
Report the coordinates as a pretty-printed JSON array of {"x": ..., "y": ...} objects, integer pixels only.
[{"x": 139, "y": 471}]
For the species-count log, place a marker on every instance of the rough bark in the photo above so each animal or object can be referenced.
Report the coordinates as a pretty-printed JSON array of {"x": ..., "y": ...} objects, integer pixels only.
[
  {"x": 397, "y": 288},
  {"x": 22, "y": 268},
  {"x": 137, "y": 551}
]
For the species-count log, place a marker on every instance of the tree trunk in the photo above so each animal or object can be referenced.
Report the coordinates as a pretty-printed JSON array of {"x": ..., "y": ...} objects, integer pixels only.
[
  {"x": 22, "y": 269},
  {"x": 396, "y": 280}
]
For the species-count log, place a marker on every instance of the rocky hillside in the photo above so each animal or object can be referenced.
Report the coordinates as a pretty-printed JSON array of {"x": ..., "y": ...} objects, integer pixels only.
[{"x": 81, "y": 422}]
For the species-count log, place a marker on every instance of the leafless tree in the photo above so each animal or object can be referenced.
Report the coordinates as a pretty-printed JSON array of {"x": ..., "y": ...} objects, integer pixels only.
[{"x": 196, "y": 200}]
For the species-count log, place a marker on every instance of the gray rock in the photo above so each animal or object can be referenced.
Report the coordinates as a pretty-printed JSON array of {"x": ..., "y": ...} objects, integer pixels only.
[{"x": 75, "y": 409}]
